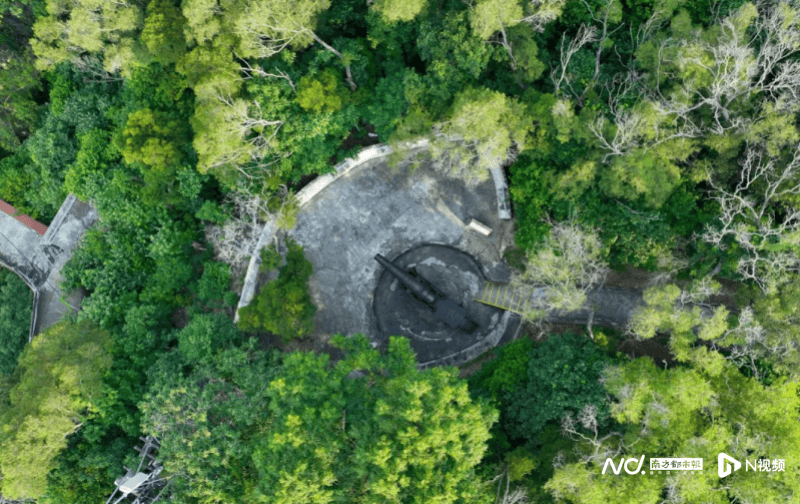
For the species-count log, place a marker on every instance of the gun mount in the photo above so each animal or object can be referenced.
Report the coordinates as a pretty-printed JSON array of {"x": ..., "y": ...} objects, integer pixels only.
[{"x": 445, "y": 309}]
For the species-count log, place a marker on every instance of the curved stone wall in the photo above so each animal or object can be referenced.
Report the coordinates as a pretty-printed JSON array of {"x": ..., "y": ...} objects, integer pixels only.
[{"x": 307, "y": 193}]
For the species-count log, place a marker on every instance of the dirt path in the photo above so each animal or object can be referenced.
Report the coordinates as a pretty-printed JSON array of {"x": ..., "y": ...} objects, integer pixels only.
[{"x": 613, "y": 306}]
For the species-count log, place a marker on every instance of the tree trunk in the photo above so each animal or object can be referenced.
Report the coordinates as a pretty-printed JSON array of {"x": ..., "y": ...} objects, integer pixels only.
[{"x": 324, "y": 44}]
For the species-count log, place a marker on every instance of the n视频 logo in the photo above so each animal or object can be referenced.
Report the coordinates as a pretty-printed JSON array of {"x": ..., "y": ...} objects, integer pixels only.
[{"x": 723, "y": 468}]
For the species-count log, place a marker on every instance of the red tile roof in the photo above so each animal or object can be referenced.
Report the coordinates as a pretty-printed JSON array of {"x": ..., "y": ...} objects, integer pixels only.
[{"x": 36, "y": 226}]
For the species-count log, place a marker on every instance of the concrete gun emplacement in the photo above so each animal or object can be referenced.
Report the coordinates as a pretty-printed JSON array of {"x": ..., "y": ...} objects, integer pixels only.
[{"x": 445, "y": 309}]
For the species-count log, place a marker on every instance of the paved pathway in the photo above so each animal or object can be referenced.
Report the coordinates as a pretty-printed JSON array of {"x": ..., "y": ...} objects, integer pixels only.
[
  {"x": 612, "y": 306},
  {"x": 38, "y": 259}
]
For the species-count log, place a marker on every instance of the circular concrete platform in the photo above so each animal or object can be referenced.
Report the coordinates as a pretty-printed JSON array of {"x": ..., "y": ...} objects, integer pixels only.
[
  {"x": 457, "y": 275},
  {"x": 380, "y": 210}
]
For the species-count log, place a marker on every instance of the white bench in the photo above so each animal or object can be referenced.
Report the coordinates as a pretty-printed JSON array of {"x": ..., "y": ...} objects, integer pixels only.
[{"x": 479, "y": 227}]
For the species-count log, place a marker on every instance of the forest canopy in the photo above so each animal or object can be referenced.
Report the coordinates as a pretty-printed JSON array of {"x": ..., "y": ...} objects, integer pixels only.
[{"x": 660, "y": 135}]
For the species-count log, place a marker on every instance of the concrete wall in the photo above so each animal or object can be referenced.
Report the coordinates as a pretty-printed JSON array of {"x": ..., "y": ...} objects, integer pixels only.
[{"x": 251, "y": 277}]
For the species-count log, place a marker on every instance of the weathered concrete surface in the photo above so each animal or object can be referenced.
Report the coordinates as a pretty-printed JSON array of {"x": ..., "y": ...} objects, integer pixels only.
[
  {"x": 369, "y": 156},
  {"x": 251, "y": 276},
  {"x": 38, "y": 259},
  {"x": 62, "y": 237},
  {"x": 379, "y": 210},
  {"x": 20, "y": 252},
  {"x": 612, "y": 306},
  {"x": 501, "y": 190},
  {"x": 459, "y": 276},
  {"x": 31, "y": 223}
]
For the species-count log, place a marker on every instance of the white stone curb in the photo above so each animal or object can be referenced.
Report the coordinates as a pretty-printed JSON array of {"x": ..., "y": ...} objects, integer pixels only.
[{"x": 250, "y": 278}]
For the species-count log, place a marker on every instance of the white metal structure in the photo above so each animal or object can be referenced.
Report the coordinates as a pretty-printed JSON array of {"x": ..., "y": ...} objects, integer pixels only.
[{"x": 144, "y": 484}]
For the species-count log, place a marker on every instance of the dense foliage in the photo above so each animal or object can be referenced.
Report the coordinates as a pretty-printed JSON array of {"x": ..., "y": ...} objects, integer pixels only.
[
  {"x": 657, "y": 134},
  {"x": 244, "y": 425},
  {"x": 689, "y": 410},
  {"x": 283, "y": 306},
  {"x": 54, "y": 387},
  {"x": 536, "y": 384},
  {"x": 16, "y": 308}
]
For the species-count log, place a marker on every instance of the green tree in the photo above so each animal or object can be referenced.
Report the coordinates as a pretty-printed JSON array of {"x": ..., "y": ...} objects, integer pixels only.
[
  {"x": 270, "y": 259},
  {"x": 399, "y": 10},
  {"x": 562, "y": 375},
  {"x": 163, "y": 31},
  {"x": 70, "y": 29},
  {"x": 387, "y": 105},
  {"x": 772, "y": 324},
  {"x": 94, "y": 27},
  {"x": 231, "y": 133},
  {"x": 94, "y": 157},
  {"x": 320, "y": 93},
  {"x": 505, "y": 373},
  {"x": 479, "y": 135},
  {"x": 641, "y": 174},
  {"x": 85, "y": 471},
  {"x": 491, "y": 16},
  {"x": 503, "y": 23},
  {"x": 204, "y": 20},
  {"x": 152, "y": 138},
  {"x": 664, "y": 412},
  {"x": 632, "y": 235},
  {"x": 454, "y": 60},
  {"x": 215, "y": 283},
  {"x": 531, "y": 194},
  {"x": 694, "y": 327},
  {"x": 143, "y": 333},
  {"x": 16, "y": 178},
  {"x": 56, "y": 384},
  {"x": 142, "y": 254},
  {"x": 212, "y": 212},
  {"x": 206, "y": 335},
  {"x": 18, "y": 112},
  {"x": 533, "y": 384},
  {"x": 759, "y": 339},
  {"x": 54, "y": 146},
  {"x": 171, "y": 253},
  {"x": 560, "y": 272},
  {"x": 15, "y": 319},
  {"x": 297, "y": 143},
  {"x": 393, "y": 434},
  {"x": 155, "y": 139},
  {"x": 283, "y": 306},
  {"x": 267, "y": 27},
  {"x": 208, "y": 421},
  {"x": 524, "y": 55}
]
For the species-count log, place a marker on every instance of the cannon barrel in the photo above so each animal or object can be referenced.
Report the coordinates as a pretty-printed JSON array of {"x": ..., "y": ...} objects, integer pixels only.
[
  {"x": 444, "y": 308},
  {"x": 416, "y": 287}
]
